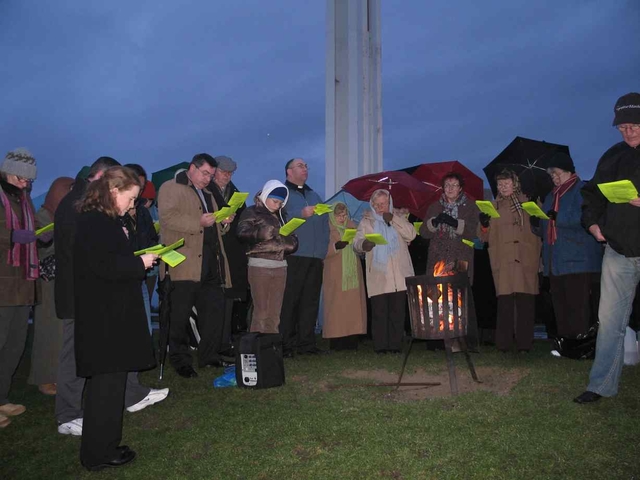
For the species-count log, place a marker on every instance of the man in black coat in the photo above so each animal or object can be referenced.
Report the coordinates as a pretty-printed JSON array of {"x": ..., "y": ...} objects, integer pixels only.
[
  {"x": 223, "y": 189},
  {"x": 69, "y": 411}
]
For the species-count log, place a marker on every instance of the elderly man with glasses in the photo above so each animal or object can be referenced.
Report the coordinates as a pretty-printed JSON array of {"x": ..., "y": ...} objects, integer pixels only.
[
  {"x": 617, "y": 225},
  {"x": 304, "y": 270},
  {"x": 186, "y": 207}
]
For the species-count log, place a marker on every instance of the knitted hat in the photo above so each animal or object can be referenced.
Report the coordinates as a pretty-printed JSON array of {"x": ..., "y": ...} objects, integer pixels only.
[
  {"x": 19, "y": 162},
  {"x": 279, "y": 193},
  {"x": 149, "y": 191},
  {"x": 562, "y": 161},
  {"x": 226, "y": 163},
  {"x": 627, "y": 109}
]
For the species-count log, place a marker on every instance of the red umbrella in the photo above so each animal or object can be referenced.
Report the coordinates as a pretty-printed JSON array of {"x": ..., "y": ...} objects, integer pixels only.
[
  {"x": 432, "y": 174},
  {"x": 406, "y": 191}
]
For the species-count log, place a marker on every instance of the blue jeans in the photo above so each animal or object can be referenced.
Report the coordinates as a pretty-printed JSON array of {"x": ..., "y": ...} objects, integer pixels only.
[
  {"x": 620, "y": 277},
  {"x": 147, "y": 305}
]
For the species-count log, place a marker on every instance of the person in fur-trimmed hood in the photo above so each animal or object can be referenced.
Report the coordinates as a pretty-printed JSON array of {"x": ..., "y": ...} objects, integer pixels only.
[{"x": 259, "y": 229}]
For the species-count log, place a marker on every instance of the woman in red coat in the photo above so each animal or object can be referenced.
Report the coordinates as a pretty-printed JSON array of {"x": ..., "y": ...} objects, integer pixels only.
[{"x": 111, "y": 334}]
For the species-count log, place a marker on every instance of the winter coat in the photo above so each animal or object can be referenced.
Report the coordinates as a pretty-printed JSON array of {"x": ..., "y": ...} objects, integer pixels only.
[
  {"x": 142, "y": 233},
  {"x": 15, "y": 289},
  {"x": 399, "y": 266},
  {"x": 64, "y": 234},
  {"x": 111, "y": 333},
  {"x": 180, "y": 210},
  {"x": 345, "y": 312},
  {"x": 233, "y": 247},
  {"x": 258, "y": 230},
  {"x": 514, "y": 251},
  {"x": 444, "y": 248},
  {"x": 618, "y": 222},
  {"x": 575, "y": 250},
  {"x": 313, "y": 235}
]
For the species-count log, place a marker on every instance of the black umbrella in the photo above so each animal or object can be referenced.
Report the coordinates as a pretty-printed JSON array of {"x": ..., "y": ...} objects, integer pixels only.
[
  {"x": 526, "y": 158},
  {"x": 165, "y": 286}
]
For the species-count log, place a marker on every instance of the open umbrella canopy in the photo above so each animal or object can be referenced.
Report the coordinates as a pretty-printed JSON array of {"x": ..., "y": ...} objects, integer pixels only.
[
  {"x": 161, "y": 176},
  {"x": 433, "y": 173},
  {"x": 526, "y": 158},
  {"x": 406, "y": 191},
  {"x": 356, "y": 207}
]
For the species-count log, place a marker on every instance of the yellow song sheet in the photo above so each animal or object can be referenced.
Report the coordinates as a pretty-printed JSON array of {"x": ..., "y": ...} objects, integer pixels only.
[
  {"x": 348, "y": 235},
  {"x": 376, "y": 238},
  {"x": 619, "y": 192},
  {"x": 172, "y": 258},
  {"x": 468, "y": 243},
  {"x": 161, "y": 249},
  {"x": 485, "y": 206},
  {"x": 288, "y": 228},
  {"x": 237, "y": 199},
  {"x": 45, "y": 229},
  {"x": 417, "y": 226},
  {"x": 156, "y": 225},
  {"x": 322, "y": 208},
  {"x": 534, "y": 210}
]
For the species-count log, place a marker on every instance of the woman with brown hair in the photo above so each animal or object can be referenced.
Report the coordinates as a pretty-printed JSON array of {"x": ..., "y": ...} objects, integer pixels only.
[
  {"x": 514, "y": 252},
  {"x": 110, "y": 325}
]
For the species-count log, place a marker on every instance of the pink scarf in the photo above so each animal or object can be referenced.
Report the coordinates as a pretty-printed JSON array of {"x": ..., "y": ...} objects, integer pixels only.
[
  {"x": 559, "y": 191},
  {"x": 21, "y": 254}
]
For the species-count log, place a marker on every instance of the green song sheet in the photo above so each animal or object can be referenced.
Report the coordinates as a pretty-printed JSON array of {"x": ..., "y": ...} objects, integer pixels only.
[
  {"x": 534, "y": 210},
  {"x": 417, "y": 226},
  {"x": 348, "y": 235},
  {"x": 468, "y": 243},
  {"x": 156, "y": 225},
  {"x": 224, "y": 213},
  {"x": 322, "y": 208},
  {"x": 237, "y": 199},
  {"x": 619, "y": 192},
  {"x": 288, "y": 228},
  {"x": 173, "y": 258},
  {"x": 45, "y": 229},
  {"x": 485, "y": 206},
  {"x": 376, "y": 238},
  {"x": 161, "y": 249}
]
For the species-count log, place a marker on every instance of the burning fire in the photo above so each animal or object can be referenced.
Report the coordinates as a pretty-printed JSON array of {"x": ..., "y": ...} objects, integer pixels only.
[{"x": 435, "y": 295}]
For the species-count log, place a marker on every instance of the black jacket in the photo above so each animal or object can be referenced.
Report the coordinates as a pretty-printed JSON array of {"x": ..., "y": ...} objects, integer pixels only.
[
  {"x": 142, "y": 233},
  {"x": 235, "y": 251},
  {"x": 111, "y": 333},
  {"x": 619, "y": 222},
  {"x": 64, "y": 233}
]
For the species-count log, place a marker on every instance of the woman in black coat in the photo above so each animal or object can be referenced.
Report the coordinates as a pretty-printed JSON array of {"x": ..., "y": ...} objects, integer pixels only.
[{"x": 110, "y": 325}]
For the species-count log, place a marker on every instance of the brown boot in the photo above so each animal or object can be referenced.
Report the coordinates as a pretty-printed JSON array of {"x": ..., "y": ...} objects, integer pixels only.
[
  {"x": 12, "y": 409},
  {"x": 48, "y": 388},
  {"x": 4, "y": 421}
]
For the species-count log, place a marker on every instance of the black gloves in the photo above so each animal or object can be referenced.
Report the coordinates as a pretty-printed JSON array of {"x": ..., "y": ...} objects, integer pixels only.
[
  {"x": 367, "y": 245},
  {"x": 552, "y": 214},
  {"x": 484, "y": 220},
  {"x": 534, "y": 222},
  {"x": 449, "y": 220},
  {"x": 387, "y": 217},
  {"x": 340, "y": 245}
]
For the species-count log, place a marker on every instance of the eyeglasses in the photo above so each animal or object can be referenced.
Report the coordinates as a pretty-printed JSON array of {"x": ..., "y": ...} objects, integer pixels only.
[
  {"x": 22, "y": 179},
  {"x": 630, "y": 126},
  {"x": 451, "y": 186},
  {"x": 204, "y": 172},
  {"x": 300, "y": 165}
]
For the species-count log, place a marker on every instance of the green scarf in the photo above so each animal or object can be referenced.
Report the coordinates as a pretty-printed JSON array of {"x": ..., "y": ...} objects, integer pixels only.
[{"x": 349, "y": 259}]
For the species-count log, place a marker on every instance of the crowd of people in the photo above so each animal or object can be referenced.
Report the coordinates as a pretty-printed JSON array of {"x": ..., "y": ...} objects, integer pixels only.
[{"x": 90, "y": 291}]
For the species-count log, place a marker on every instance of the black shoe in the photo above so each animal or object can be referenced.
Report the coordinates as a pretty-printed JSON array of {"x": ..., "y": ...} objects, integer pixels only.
[
  {"x": 186, "y": 371},
  {"x": 124, "y": 457},
  {"x": 587, "y": 397}
]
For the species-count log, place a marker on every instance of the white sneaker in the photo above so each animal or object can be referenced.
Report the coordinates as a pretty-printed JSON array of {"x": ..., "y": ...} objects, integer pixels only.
[
  {"x": 74, "y": 427},
  {"x": 154, "y": 396}
]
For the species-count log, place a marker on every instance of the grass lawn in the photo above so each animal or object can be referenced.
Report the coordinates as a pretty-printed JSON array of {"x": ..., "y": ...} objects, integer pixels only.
[{"x": 308, "y": 430}]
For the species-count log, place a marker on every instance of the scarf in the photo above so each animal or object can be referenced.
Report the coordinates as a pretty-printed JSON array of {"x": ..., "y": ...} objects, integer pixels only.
[
  {"x": 349, "y": 259},
  {"x": 19, "y": 254},
  {"x": 559, "y": 191},
  {"x": 381, "y": 253},
  {"x": 452, "y": 210},
  {"x": 516, "y": 207}
]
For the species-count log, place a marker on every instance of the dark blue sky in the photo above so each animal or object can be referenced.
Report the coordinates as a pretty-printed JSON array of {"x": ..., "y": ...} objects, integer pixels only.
[{"x": 153, "y": 82}]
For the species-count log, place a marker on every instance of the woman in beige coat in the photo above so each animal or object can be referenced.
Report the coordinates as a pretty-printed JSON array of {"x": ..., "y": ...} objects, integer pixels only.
[
  {"x": 387, "y": 267},
  {"x": 345, "y": 306},
  {"x": 514, "y": 252}
]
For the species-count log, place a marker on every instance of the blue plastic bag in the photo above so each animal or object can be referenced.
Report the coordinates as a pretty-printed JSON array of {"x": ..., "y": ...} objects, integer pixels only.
[{"x": 227, "y": 379}]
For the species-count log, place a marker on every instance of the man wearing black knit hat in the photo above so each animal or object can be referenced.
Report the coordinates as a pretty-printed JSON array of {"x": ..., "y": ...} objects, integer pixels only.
[{"x": 617, "y": 224}]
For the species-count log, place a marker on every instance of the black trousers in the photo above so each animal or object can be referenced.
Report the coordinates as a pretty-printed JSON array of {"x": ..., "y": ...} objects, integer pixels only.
[
  {"x": 301, "y": 302},
  {"x": 388, "y": 312},
  {"x": 102, "y": 424},
  {"x": 208, "y": 298},
  {"x": 516, "y": 316},
  {"x": 570, "y": 296}
]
